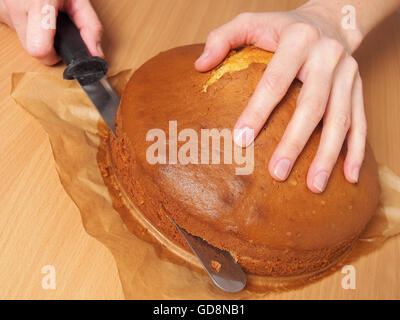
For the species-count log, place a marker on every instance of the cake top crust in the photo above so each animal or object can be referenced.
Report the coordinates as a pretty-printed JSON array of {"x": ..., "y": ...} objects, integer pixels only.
[{"x": 254, "y": 207}]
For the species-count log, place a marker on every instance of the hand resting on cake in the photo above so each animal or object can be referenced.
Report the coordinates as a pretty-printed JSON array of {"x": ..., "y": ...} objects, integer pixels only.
[
  {"x": 27, "y": 17},
  {"x": 315, "y": 44}
]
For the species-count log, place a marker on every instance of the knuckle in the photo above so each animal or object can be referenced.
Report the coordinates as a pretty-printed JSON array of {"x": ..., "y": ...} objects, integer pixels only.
[
  {"x": 335, "y": 47},
  {"x": 98, "y": 28},
  {"x": 38, "y": 51},
  {"x": 341, "y": 121},
  {"x": 314, "y": 110},
  {"x": 306, "y": 32},
  {"x": 350, "y": 71},
  {"x": 256, "y": 115},
  {"x": 329, "y": 158},
  {"x": 363, "y": 129},
  {"x": 244, "y": 16},
  {"x": 259, "y": 115},
  {"x": 352, "y": 65},
  {"x": 292, "y": 146},
  {"x": 214, "y": 35},
  {"x": 274, "y": 83}
]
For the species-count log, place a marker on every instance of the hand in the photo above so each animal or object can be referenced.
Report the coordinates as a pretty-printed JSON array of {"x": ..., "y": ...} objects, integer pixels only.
[
  {"x": 309, "y": 44},
  {"x": 25, "y": 16}
]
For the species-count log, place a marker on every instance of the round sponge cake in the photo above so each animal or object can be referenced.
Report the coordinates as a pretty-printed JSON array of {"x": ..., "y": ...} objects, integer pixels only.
[{"x": 271, "y": 228}]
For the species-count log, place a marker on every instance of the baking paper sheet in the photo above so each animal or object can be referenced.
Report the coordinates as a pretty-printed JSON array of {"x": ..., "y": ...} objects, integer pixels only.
[{"x": 147, "y": 270}]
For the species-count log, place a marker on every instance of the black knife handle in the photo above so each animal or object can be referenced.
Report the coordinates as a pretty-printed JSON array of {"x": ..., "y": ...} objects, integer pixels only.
[{"x": 69, "y": 45}]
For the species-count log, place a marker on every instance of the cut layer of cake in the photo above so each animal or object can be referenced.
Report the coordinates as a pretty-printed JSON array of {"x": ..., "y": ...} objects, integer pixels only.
[{"x": 271, "y": 228}]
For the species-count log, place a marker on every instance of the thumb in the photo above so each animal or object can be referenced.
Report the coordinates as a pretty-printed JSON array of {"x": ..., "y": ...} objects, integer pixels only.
[
  {"x": 87, "y": 21},
  {"x": 245, "y": 29}
]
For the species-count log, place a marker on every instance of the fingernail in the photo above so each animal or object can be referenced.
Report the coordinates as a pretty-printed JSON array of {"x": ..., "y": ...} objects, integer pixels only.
[
  {"x": 355, "y": 174},
  {"x": 204, "y": 55},
  {"x": 282, "y": 169},
  {"x": 100, "y": 49},
  {"x": 243, "y": 137},
  {"x": 320, "y": 181}
]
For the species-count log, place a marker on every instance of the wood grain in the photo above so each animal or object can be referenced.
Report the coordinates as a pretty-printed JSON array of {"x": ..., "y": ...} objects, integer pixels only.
[{"x": 39, "y": 223}]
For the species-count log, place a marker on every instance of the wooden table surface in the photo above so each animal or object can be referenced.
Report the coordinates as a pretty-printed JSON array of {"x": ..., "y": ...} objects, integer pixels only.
[{"x": 39, "y": 223}]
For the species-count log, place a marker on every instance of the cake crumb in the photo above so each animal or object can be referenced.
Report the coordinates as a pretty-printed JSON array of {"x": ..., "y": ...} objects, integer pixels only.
[
  {"x": 234, "y": 256},
  {"x": 105, "y": 172},
  {"x": 288, "y": 233},
  {"x": 215, "y": 265}
]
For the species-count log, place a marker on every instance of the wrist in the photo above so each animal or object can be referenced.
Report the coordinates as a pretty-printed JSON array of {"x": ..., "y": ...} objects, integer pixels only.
[{"x": 339, "y": 20}]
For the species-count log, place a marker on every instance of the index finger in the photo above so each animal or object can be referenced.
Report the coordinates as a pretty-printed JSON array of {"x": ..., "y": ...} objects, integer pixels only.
[
  {"x": 88, "y": 23},
  {"x": 291, "y": 54},
  {"x": 239, "y": 31}
]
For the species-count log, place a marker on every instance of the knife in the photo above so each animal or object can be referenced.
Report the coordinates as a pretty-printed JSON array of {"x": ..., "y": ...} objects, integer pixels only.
[
  {"x": 89, "y": 71},
  {"x": 223, "y": 270}
]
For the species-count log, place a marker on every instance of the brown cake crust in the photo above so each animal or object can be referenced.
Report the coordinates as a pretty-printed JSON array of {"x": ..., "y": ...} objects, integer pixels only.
[{"x": 271, "y": 228}]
